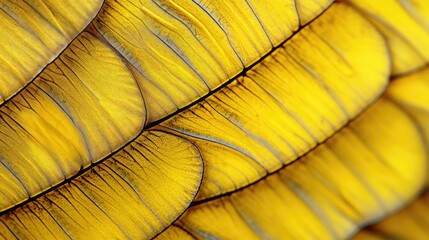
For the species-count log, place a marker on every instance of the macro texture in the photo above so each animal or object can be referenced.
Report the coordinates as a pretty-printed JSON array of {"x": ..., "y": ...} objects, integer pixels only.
[
  {"x": 34, "y": 32},
  {"x": 411, "y": 93},
  {"x": 243, "y": 119}
]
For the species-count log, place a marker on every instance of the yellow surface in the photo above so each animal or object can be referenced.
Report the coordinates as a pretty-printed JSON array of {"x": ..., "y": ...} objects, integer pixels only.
[
  {"x": 33, "y": 33},
  {"x": 371, "y": 235},
  {"x": 410, "y": 223},
  {"x": 134, "y": 194},
  {"x": 183, "y": 49},
  {"x": 288, "y": 103},
  {"x": 73, "y": 114},
  {"x": 160, "y": 56},
  {"x": 406, "y": 27},
  {"x": 364, "y": 172},
  {"x": 411, "y": 92},
  {"x": 175, "y": 233},
  {"x": 307, "y": 9}
]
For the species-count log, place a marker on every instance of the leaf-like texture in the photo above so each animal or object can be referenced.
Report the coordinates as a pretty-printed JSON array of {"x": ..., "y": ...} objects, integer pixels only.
[
  {"x": 132, "y": 195},
  {"x": 410, "y": 223},
  {"x": 307, "y": 9},
  {"x": 33, "y": 33},
  {"x": 295, "y": 98},
  {"x": 175, "y": 232},
  {"x": 181, "y": 50},
  {"x": 411, "y": 92},
  {"x": 72, "y": 115},
  {"x": 360, "y": 174},
  {"x": 406, "y": 27}
]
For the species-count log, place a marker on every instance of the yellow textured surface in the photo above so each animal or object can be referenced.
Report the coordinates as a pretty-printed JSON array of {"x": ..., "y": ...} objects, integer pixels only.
[
  {"x": 411, "y": 92},
  {"x": 134, "y": 194},
  {"x": 174, "y": 233},
  {"x": 288, "y": 103},
  {"x": 410, "y": 223},
  {"x": 306, "y": 9},
  {"x": 361, "y": 174},
  {"x": 73, "y": 114},
  {"x": 76, "y": 163},
  {"x": 183, "y": 49},
  {"x": 33, "y": 33},
  {"x": 406, "y": 27}
]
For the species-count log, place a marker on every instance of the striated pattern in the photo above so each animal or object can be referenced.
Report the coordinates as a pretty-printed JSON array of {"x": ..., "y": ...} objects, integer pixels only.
[
  {"x": 72, "y": 115},
  {"x": 289, "y": 102},
  {"x": 182, "y": 50},
  {"x": 134, "y": 194},
  {"x": 405, "y": 24},
  {"x": 410, "y": 223},
  {"x": 411, "y": 93},
  {"x": 359, "y": 175},
  {"x": 235, "y": 108},
  {"x": 33, "y": 33}
]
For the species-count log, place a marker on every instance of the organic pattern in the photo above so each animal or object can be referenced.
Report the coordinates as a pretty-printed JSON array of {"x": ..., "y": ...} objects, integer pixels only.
[
  {"x": 405, "y": 25},
  {"x": 411, "y": 93},
  {"x": 355, "y": 177},
  {"x": 34, "y": 32},
  {"x": 265, "y": 119}
]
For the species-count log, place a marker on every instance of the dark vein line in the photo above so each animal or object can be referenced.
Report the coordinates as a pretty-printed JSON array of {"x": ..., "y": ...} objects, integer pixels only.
[
  {"x": 50, "y": 62},
  {"x": 152, "y": 124},
  {"x": 198, "y": 202}
]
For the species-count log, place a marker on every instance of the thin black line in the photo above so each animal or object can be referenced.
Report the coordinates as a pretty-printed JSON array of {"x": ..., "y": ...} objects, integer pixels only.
[
  {"x": 152, "y": 124},
  {"x": 55, "y": 58},
  {"x": 198, "y": 202}
]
